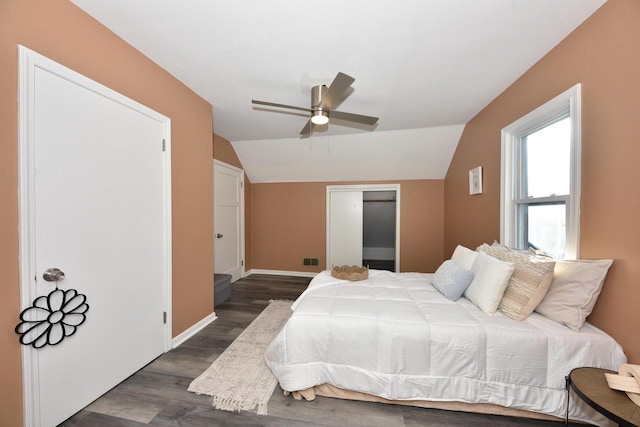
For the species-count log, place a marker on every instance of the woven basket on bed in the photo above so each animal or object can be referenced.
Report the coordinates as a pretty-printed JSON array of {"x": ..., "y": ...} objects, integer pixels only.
[{"x": 350, "y": 272}]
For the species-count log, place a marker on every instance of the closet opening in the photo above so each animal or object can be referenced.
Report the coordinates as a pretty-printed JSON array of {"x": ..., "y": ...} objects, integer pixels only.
[
  {"x": 379, "y": 230},
  {"x": 363, "y": 226}
]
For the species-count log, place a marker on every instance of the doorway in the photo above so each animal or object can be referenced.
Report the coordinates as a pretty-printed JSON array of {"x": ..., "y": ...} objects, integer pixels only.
[
  {"x": 363, "y": 226},
  {"x": 95, "y": 203},
  {"x": 379, "y": 230},
  {"x": 228, "y": 194}
]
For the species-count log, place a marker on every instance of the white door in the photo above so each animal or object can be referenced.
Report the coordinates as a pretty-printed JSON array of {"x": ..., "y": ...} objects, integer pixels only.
[
  {"x": 345, "y": 234},
  {"x": 228, "y": 220},
  {"x": 95, "y": 203}
]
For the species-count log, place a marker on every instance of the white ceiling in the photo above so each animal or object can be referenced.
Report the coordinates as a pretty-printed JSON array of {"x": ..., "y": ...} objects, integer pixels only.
[{"x": 424, "y": 67}]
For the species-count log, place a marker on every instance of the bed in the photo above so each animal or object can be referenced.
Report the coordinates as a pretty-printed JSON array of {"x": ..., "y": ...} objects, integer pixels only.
[{"x": 395, "y": 338}]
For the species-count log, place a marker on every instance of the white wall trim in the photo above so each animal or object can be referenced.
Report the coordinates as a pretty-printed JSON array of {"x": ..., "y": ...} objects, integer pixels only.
[
  {"x": 227, "y": 165},
  {"x": 26, "y": 129},
  {"x": 281, "y": 273},
  {"x": 182, "y": 337}
]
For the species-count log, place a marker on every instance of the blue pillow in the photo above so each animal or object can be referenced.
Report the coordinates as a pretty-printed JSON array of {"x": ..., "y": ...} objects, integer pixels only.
[{"x": 452, "y": 280}]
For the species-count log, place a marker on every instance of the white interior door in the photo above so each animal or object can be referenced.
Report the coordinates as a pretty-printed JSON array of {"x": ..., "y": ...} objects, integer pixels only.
[
  {"x": 228, "y": 220},
  {"x": 95, "y": 203},
  {"x": 345, "y": 234}
]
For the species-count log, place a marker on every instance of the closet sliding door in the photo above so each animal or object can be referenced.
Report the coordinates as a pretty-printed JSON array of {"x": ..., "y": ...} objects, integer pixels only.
[{"x": 345, "y": 233}]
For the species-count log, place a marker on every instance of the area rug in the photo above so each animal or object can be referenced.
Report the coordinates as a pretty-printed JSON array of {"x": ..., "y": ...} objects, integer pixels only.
[{"x": 239, "y": 379}]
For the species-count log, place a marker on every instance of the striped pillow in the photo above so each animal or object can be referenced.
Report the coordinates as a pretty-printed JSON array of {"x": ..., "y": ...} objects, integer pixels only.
[{"x": 531, "y": 279}]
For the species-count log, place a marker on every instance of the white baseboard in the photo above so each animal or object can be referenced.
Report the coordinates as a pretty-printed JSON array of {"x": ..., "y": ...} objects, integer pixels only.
[
  {"x": 180, "y": 338},
  {"x": 281, "y": 273}
]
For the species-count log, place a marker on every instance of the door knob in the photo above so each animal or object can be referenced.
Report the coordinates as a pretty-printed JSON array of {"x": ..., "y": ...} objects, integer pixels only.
[
  {"x": 219, "y": 236},
  {"x": 53, "y": 275}
]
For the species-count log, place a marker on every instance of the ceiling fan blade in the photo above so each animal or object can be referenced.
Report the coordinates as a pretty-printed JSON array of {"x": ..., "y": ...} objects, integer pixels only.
[
  {"x": 336, "y": 90},
  {"x": 273, "y": 104},
  {"x": 306, "y": 130},
  {"x": 358, "y": 118}
]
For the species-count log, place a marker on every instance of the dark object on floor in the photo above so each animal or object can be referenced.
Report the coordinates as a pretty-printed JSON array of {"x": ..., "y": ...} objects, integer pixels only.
[
  {"x": 221, "y": 288},
  {"x": 380, "y": 264}
]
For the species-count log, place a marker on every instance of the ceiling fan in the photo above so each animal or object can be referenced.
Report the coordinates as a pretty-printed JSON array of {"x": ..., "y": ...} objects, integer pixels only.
[{"x": 323, "y": 98}]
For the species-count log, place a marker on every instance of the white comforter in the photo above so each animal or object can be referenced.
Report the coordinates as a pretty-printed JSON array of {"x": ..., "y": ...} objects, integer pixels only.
[{"x": 397, "y": 337}]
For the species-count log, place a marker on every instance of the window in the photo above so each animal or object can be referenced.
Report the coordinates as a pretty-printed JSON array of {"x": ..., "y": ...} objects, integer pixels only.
[{"x": 540, "y": 181}]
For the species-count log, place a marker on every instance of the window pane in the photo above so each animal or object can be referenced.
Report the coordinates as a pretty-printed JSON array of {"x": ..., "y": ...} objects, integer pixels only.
[
  {"x": 541, "y": 192},
  {"x": 548, "y": 160},
  {"x": 547, "y": 228}
]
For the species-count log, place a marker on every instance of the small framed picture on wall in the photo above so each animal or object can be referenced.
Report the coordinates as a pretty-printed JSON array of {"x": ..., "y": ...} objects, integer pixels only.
[{"x": 475, "y": 180}]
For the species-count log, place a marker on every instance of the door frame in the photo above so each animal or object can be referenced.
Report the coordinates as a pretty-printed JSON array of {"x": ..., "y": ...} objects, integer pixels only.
[
  {"x": 363, "y": 187},
  {"x": 28, "y": 62},
  {"x": 241, "y": 245}
]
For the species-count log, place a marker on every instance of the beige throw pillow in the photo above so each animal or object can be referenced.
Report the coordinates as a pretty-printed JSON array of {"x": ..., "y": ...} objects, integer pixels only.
[
  {"x": 574, "y": 291},
  {"x": 529, "y": 283}
]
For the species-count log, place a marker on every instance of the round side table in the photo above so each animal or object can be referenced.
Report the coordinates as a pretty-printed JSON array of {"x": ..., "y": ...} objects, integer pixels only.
[{"x": 591, "y": 386}]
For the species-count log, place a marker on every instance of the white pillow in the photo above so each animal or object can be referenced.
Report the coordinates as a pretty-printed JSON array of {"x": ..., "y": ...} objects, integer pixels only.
[
  {"x": 452, "y": 280},
  {"x": 490, "y": 279},
  {"x": 464, "y": 257},
  {"x": 573, "y": 293}
]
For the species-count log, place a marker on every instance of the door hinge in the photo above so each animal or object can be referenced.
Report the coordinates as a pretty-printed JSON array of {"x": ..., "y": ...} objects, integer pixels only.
[
  {"x": 164, "y": 145},
  {"x": 242, "y": 263},
  {"x": 241, "y": 184},
  {"x": 164, "y": 317}
]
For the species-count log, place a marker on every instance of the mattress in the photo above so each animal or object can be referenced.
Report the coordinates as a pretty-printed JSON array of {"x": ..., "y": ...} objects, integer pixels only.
[{"x": 395, "y": 336}]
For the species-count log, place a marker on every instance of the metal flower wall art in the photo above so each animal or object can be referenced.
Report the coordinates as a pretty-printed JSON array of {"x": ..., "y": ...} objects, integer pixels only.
[{"x": 52, "y": 318}]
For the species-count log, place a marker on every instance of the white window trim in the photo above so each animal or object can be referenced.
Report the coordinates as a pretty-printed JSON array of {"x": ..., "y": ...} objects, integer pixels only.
[{"x": 568, "y": 101}]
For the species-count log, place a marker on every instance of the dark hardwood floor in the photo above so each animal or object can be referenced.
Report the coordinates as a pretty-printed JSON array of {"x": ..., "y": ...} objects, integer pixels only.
[{"x": 157, "y": 394}]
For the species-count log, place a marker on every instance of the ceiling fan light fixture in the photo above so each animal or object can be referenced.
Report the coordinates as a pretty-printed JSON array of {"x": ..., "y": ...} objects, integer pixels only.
[{"x": 320, "y": 117}]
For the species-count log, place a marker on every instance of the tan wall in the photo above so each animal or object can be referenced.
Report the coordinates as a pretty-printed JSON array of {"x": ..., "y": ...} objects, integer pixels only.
[
  {"x": 223, "y": 151},
  {"x": 604, "y": 55},
  {"x": 421, "y": 225},
  {"x": 62, "y": 32},
  {"x": 288, "y": 222}
]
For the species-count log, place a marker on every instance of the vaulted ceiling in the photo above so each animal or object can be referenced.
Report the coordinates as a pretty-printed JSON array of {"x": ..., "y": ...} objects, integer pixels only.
[{"x": 424, "y": 67}]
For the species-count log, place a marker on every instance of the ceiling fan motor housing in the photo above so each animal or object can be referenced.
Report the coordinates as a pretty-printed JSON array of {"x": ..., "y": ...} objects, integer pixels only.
[
  {"x": 320, "y": 116},
  {"x": 316, "y": 96}
]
